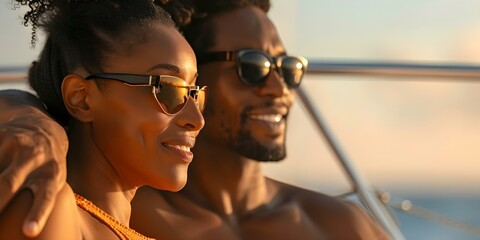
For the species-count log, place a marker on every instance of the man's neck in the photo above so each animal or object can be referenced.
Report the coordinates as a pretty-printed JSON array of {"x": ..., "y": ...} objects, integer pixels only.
[{"x": 225, "y": 182}]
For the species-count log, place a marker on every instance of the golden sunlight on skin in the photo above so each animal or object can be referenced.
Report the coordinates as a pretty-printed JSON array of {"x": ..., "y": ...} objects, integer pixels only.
[{"x": 379, "y": 144}]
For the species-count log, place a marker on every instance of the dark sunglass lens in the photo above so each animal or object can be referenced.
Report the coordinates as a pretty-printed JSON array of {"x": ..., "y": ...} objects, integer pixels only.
[
  {"x": 292, "y": 70},
  {"x": 172, "y": 95},
  {"x": 253, "y": 68}
]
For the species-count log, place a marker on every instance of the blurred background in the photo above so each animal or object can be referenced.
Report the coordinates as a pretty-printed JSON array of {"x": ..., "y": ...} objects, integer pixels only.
[{"x": 417, "y": 138}]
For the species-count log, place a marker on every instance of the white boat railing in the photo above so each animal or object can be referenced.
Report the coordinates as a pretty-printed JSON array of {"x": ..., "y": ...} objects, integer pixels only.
[
  {"x": 368, "y": 197},
  {"x": 396, "y": 69},
  {"x": 13, "y": 74},
  {"x": 438, "y": 72}
]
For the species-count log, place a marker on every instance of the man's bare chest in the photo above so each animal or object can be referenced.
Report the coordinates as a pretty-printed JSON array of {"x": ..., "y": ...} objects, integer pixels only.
[{"x": 286, "y": 222}]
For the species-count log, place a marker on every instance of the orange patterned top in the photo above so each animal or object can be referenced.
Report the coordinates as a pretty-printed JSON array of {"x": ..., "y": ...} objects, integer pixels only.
[{"x": 122, "y": 231}]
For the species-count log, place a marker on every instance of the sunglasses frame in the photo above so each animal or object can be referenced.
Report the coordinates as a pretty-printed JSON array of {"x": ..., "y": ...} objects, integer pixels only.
[
  {"x": 142, "y": 80},
  {"x": 235, "y": 56}
]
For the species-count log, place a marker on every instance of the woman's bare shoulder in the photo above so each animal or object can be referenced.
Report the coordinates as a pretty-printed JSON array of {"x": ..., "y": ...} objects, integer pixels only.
[{"x": 63, "y": 223}]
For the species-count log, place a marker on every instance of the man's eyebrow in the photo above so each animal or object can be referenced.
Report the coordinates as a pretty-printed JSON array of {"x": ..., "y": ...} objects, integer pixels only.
[{"x": 165, "y": 66}]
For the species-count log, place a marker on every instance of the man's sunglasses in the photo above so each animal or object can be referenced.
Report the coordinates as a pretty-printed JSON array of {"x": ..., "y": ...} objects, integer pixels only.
[
  {"x": 254, "y": 66},
  {"x": 172, "y": 93}
]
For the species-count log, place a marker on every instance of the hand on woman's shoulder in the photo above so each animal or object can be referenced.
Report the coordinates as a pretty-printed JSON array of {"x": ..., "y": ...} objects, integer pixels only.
[{"x": 62, "y": 224}]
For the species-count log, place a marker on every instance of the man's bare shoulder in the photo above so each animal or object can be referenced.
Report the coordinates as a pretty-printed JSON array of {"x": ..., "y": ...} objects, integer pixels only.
[
  {"x": 303, "y": 195},
  {"x": 316, "y": 204},
  {"x": 336, "y": 217}
]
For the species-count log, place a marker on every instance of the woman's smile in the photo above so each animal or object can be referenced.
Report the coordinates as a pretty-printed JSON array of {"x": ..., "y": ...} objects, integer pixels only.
[{"x": 180, "y": 147}]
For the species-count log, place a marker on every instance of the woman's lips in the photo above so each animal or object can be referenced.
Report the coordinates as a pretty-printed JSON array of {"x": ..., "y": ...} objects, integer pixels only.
[{"x": 182, "y": 151}]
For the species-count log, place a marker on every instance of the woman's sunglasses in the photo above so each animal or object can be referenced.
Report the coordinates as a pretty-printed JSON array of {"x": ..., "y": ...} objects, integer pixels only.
[
  {"x": 172, "y": 93},
  {"x": 254, "y": 66}
]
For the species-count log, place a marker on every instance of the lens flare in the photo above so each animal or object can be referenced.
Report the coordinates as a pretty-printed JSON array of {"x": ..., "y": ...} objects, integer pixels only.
[{"x": 299, "y": 65}]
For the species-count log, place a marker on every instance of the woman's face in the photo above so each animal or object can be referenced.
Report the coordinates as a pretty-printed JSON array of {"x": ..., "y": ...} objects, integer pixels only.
[{"x": 143, "y": 144}]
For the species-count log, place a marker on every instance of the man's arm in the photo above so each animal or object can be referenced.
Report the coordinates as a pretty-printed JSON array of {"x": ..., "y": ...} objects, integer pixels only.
[{"x": 33, "y": 150}]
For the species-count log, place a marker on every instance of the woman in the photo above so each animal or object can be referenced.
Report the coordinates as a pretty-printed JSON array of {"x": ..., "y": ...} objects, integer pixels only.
[{"x": 119, "y": 76}]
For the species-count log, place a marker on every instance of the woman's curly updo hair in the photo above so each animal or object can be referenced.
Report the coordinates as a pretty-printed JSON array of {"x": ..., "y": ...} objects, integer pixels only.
[
  {"x": 190, "y": 16},
  {"x": 79, "y": 33}
]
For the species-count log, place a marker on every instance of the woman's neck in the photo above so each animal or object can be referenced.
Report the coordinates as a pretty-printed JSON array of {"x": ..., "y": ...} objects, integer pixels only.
[{"x": 91, "y": 175}]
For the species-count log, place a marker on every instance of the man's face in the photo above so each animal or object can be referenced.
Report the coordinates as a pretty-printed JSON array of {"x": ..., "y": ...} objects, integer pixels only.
[{"x": 248, "y": 120}]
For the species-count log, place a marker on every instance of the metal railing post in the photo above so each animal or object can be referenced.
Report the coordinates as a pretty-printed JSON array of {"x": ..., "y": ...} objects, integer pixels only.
[{"x": 379, "y": 211}]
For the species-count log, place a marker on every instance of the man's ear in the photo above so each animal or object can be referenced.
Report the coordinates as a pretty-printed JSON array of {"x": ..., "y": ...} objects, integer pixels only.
[{"x": 76, "y": 92}]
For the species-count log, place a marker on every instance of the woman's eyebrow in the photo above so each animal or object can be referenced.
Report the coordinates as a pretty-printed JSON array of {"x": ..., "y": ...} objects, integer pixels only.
[{"x": 165, "y": 66}]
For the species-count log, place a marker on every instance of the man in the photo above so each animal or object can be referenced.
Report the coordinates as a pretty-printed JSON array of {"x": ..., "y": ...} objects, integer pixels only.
[{"x": 227, "y": 196}]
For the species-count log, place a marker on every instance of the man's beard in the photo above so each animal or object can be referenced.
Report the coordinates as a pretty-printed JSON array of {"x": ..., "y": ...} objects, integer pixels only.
[{"x": 245, "y": 145}]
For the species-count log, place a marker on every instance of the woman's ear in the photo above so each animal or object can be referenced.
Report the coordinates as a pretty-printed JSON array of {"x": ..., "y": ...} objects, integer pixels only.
[{"x": 76, "y": 92}]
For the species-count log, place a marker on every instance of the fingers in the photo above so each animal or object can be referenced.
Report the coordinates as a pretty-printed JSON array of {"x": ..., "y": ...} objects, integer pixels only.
[
  {"x": 19, "y": 165},
  {"x": 10, "y": 178},
  {"x": 46, "y": 184},
  {"x": 9, "y": 185},
  {"x": 29, "y": 154},
  {"x": 45, "y": 195}
]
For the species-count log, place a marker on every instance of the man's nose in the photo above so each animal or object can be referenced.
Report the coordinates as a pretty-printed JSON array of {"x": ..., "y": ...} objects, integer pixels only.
[{"x": 275, "y": 85}]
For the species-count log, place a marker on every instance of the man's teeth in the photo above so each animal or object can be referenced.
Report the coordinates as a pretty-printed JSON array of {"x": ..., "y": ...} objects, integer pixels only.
[
  {"x": 181, "y": 147},
  {"x": 268, "y": 118}
]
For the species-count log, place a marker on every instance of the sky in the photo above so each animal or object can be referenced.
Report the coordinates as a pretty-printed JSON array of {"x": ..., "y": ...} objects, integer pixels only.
[{"x": 401, "y": 133}]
